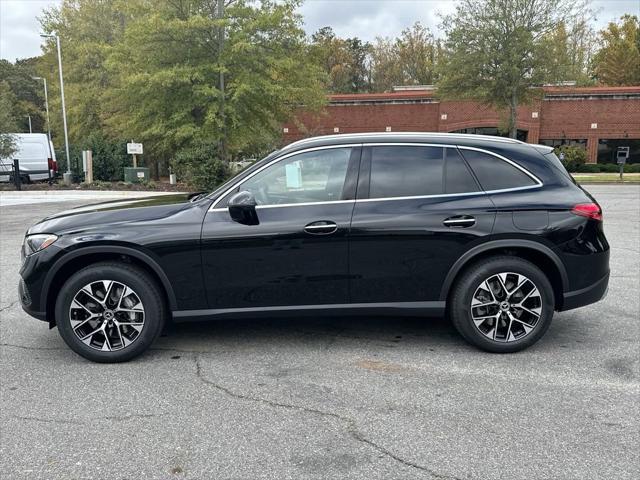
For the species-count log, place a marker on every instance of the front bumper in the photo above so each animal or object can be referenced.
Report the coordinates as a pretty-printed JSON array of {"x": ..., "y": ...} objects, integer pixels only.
[
  {"x": 26, "y": 301},
  {"x": 586, "y": 296}
]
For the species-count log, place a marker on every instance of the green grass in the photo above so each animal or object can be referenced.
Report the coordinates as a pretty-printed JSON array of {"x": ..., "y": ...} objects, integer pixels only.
[{"x": 606, "y": 177}]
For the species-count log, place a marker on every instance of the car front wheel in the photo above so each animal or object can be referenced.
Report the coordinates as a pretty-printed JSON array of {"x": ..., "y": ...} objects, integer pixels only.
[
  {"x": 502, "y": 304},
  {"x": 110, "y": 312}
]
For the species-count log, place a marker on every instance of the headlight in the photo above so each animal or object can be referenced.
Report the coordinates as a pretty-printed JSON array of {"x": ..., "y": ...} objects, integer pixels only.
[{"x": 35, "y": 243}]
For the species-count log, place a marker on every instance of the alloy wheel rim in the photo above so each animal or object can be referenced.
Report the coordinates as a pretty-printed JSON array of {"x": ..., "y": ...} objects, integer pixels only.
[
  {"x": 107, "y": 315},
  {"x": 506, "y": 307}
]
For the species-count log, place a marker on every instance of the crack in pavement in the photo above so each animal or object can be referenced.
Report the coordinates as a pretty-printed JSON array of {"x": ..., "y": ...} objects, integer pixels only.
[
  {"x": 350, "y": 423},
  {"x": 25, "y": 347},
  {"x": 8, "y": 306}
]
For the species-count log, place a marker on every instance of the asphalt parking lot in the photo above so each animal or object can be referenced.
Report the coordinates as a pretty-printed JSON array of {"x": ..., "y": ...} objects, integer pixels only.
[{"x": 356, "y": 398}]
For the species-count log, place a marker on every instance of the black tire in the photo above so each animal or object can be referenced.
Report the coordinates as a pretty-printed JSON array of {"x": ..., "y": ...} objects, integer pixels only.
[
  {"x": 465, "y": 287},
  {"x": 145, "y": 288}
]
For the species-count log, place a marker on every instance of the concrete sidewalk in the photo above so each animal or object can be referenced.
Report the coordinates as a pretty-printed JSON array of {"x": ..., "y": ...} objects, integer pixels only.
[{"x": 55, "y": 196}]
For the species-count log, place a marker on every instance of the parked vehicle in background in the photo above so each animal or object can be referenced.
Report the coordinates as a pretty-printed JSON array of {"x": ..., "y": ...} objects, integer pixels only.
[
  {"x": 35, "y": 154},
  {"x": 491, "y": 231}
]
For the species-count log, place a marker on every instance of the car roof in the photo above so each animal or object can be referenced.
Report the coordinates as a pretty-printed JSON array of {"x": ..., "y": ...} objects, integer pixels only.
[{"x": 400, "y": 137}]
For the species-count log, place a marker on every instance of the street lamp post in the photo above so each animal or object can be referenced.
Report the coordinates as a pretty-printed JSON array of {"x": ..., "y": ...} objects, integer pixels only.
[
  {"x": 67, "y": 175},
  {"x": 46, "y": 103},
  {"x": 29, "y": 117}
]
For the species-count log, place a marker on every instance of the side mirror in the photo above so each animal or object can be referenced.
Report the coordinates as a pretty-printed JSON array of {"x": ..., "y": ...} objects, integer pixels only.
[{"x": 242, "y": 208}]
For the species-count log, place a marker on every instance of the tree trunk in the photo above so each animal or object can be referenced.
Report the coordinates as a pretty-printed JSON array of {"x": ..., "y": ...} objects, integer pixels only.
[{"x": 513, "y": 115}]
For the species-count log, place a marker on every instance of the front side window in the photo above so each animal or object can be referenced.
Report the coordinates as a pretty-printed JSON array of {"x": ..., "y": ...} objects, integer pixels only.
[
  {"x": 494, "y": 173},
  {"x": 406, "y": 171},
  {"x": 317, "y": 176}
]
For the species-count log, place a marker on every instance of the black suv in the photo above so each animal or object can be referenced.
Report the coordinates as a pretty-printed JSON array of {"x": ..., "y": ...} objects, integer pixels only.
[{"x": 490, "y": 231}]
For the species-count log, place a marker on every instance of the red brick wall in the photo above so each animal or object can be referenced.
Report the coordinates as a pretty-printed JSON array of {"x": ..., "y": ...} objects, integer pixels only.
[{"x": 615, "y": 110}]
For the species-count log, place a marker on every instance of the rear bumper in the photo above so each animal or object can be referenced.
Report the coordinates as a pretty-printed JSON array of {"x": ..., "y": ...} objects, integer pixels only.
[{"x": 586, "y": 296}]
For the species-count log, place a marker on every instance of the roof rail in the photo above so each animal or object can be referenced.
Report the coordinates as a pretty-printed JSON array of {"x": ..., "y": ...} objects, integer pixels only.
[{"x": 403, "y": 134}]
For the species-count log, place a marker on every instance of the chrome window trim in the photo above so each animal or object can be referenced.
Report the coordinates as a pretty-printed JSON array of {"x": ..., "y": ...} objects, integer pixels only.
[{"x": 538, "y": 182}]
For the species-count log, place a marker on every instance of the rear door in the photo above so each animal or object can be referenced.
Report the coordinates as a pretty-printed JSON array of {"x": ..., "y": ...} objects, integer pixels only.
[
  {"x": 33, "y": 156},
  {"x": 418, "y": 209}
]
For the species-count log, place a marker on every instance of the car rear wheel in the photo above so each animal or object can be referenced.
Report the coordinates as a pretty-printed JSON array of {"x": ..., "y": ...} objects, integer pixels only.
[
  {"x": 502, "y": 304},
  {"x": 110, "y": 312}
]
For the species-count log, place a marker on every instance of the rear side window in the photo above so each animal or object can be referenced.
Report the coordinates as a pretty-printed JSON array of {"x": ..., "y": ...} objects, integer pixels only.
[
  {"x": 457, "y": 177},
  {"x": 405, "y": 171},
  {"x": 494, "y": 173}
]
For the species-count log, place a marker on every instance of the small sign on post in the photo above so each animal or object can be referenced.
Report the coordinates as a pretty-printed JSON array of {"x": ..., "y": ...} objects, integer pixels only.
[
  {"x": 134, "y": 149},
  {"x": 621, "y": 158}
]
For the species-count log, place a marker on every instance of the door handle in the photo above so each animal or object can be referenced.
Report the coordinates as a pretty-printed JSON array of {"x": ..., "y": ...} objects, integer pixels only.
[
  {"x": 321, "y": 227},
  {"x": 463, "y": 221}
]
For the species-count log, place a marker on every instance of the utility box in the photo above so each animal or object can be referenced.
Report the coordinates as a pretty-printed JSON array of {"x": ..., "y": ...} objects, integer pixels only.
[{"x": 136, "y": 174}]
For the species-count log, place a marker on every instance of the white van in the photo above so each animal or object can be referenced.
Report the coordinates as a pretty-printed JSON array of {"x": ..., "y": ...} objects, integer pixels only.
[{"x": 35, "y": 153}]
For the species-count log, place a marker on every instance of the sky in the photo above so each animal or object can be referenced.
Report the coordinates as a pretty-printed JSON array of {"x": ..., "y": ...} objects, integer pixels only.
[{"x": 366, "y": 19}]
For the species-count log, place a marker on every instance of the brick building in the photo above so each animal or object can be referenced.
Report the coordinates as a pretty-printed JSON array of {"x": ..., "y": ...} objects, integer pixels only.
[{"x": 598, "y": 118}]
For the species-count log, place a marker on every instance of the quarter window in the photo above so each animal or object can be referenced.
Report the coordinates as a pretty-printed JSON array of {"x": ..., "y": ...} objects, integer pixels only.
[
  {"x": 494, "y": 173},
  {"x": 316, "y": 176},
  {"x": 403, "y": 171}
]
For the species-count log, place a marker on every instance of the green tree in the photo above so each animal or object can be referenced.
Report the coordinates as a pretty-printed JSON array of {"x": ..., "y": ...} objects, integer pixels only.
[
  {"x": 166, "y": 69},
  {"x": 496, "y": 50},
  {"x": 346, "y": 62},
  {"x": 29, "y": 94},
  {"x": 7, "y": 121},
  {"x": 569, "y": 49},
  {"x": 88, "y": 31},
  {"x": 409, "y": 59},
  {"x": 618, "y": 61}
]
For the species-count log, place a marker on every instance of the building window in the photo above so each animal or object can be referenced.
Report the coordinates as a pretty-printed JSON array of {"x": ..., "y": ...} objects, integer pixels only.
[
  {"x": 520, "y": 135},
  {"x": 558, "y": 142},
  {"x": 607, "y": 149}
]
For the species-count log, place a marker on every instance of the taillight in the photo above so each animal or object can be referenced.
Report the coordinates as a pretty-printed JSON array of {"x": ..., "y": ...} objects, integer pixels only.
[
  {"x": 53, "y": 165},
  {"x": 589, "y": 210}
]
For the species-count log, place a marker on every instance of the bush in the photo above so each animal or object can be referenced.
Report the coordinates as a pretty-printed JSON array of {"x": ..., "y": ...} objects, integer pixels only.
[
  {"x": 109, "y": 157},
  {"x": 571, "y": 156},
  {"x": 632, "y": 168},
  {"x": 588, "y": 168},
  {"x": 609, "y": 167},
  {"x": 200, "y": 168}
]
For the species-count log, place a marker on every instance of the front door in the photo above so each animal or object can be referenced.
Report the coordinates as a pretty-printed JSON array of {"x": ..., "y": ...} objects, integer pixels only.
[
  {"x": 418, "y": 209},
  {"x": 298, "y": 253}
]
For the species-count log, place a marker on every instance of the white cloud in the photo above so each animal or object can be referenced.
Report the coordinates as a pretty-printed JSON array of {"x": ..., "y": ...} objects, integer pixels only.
[
  {"x": 367, "y": 19},
  {"x": 19, "y": 27}
]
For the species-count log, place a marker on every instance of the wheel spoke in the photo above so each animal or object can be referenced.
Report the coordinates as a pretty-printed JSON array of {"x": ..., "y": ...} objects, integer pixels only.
[
  {"x": 82, "y": 322},
  {"x": 117, "y": 326},
  {"x": 91, "y": 334},
  {"x": 536, "y": 314},
  {"x": 90, "y": 295},
  {"x": 106, "y": 343},
  {"x": 528, "y": 325}
]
